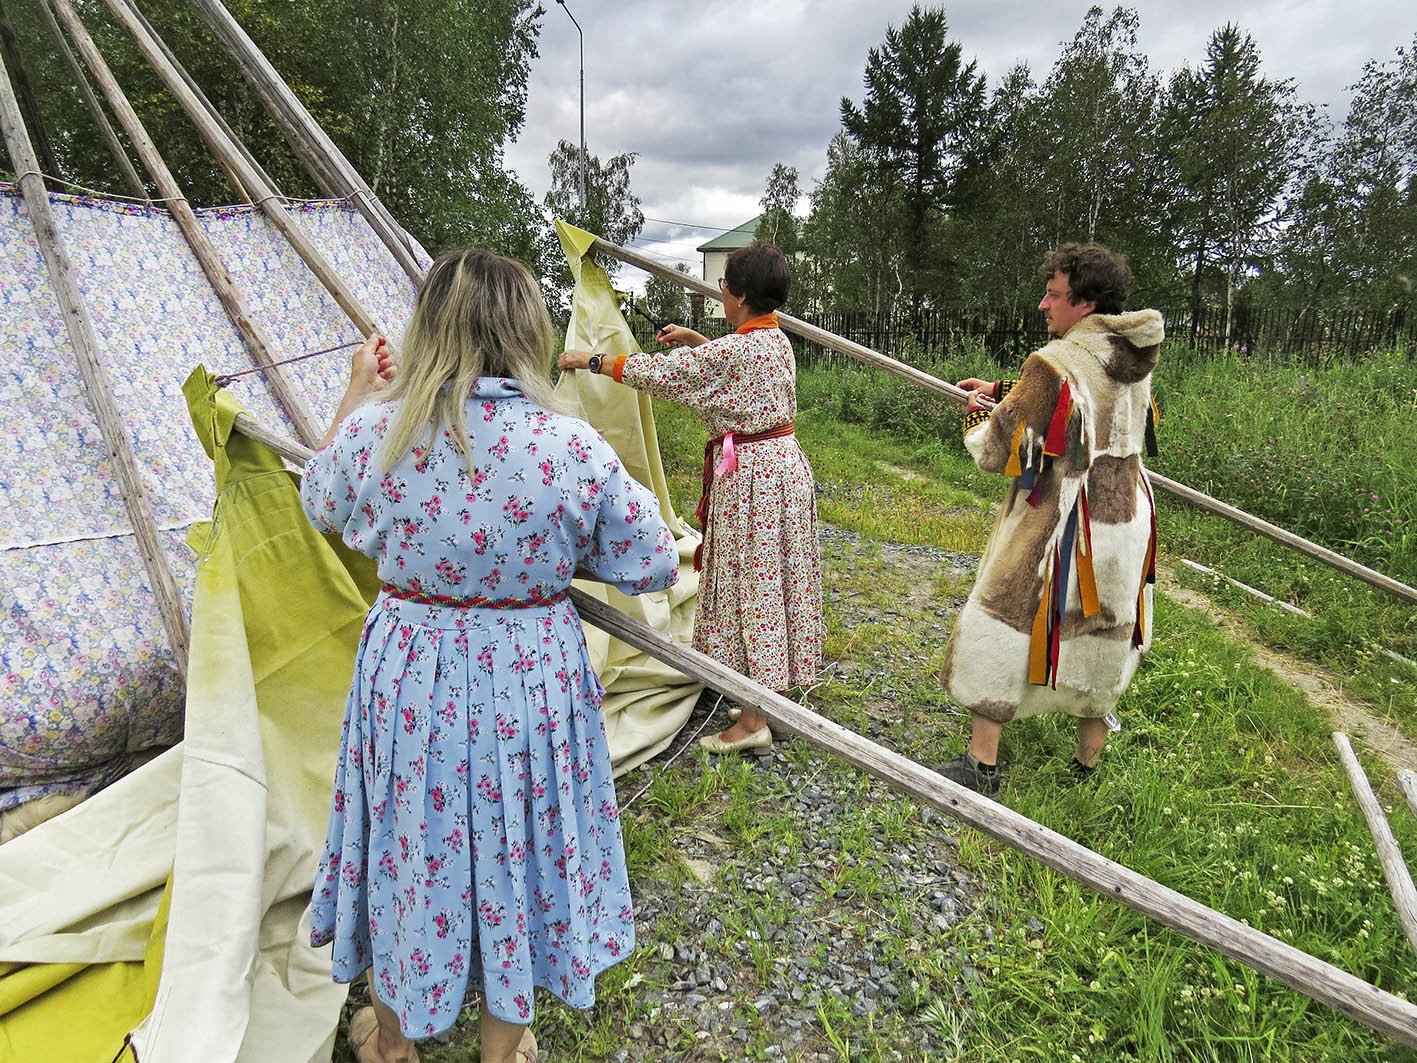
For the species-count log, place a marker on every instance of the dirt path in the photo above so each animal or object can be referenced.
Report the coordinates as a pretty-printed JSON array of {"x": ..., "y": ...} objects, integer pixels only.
[{"x": 1322, "y": 688}]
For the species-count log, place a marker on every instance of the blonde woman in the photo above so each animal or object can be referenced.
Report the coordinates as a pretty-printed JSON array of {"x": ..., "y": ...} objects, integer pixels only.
[{"x": 474, "y": 841}]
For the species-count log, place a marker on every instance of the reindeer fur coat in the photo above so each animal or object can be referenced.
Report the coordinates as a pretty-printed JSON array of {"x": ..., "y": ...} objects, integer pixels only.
[{"x": 1060, "y": 613}]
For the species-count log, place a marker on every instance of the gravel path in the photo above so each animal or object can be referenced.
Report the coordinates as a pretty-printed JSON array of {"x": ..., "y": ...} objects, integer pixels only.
[{"x": 772, "y": 937}]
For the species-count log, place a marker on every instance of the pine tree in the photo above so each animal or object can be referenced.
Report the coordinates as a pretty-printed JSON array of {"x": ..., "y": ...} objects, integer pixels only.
[
  {"x": 1239, "y": 138},
  {"x": 918, "y": 122}
]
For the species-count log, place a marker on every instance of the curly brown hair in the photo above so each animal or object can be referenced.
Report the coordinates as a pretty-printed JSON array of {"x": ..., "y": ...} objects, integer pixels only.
[{"x": 1095, "y": 275}]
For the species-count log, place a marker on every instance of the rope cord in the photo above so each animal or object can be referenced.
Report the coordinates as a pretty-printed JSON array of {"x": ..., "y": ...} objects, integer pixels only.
[
  {"x": 632, "y": 304},
  {"x": 98, "y": 194},
  {"x": 224, "y": 379}
]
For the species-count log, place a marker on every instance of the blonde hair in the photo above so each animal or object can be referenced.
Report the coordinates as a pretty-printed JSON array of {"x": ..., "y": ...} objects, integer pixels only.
[{"x": 477, "y": 314}]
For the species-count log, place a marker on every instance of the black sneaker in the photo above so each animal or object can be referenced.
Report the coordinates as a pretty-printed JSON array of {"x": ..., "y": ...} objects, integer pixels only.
[
  {"x": 1082, "y": 772},
  {"x": 966, "y": 770}
]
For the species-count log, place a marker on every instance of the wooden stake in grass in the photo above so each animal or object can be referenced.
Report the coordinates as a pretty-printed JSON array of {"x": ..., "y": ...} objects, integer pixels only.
[
  {"x": 1408, "y": 781},
  {"x": 1399, "y": 879}
]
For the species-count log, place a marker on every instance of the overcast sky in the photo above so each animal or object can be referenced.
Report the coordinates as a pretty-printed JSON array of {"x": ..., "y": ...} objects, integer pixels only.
[{"x": 712, "y": 93}]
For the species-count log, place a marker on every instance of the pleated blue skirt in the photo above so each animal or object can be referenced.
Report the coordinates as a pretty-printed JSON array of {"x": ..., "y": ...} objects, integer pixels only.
[{"x": 474, "y": 840}]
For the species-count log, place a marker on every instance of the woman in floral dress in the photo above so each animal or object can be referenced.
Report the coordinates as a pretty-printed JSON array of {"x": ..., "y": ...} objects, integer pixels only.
[
  {"x": 760, "y": 599},
  {"x": 474, "y": 841}
]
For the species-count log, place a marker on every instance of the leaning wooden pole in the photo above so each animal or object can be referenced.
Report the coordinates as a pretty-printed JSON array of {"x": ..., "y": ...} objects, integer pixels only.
[
  {"x": 206, "y": 103},
  {"x": 95, "y": 109},
  {"x": 1355, "y": 998},
  {"x": 326, "y": 163},
  {"x": 1399, "y": 879},
  {"x": 228, "y": 154},
  {"x": 95, "y": 377},
  {"x": 25, "y": 96},
  {"x": 916, "y": 376},
  {"x": 306, "y": 424}
]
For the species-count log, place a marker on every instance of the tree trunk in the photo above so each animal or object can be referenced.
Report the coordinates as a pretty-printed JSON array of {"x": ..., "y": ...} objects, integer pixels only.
[{"x": 381, "y": 144}]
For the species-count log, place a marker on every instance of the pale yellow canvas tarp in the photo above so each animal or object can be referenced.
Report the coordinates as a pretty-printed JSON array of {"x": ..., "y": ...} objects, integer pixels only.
[{"x": 646, "y": 702}]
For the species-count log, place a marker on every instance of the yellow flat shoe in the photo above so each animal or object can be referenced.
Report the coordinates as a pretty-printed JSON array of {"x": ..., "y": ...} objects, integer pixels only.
[
  {"x": 759, "y": 742},
  {"x": 526, "y": 1049}
]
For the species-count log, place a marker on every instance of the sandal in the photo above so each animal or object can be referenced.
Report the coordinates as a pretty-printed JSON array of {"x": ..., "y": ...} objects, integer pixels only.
[
  {"x": 363, "y": 1028},
  {"x": 527, "y": 1051}
]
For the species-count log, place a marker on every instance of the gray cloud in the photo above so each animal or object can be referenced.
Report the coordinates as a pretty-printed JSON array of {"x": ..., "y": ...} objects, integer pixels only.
[{"x": 712, "y": 94}]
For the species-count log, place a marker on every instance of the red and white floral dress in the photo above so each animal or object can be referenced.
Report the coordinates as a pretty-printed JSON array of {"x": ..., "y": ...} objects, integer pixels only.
[{"x": 760, "y": 597}]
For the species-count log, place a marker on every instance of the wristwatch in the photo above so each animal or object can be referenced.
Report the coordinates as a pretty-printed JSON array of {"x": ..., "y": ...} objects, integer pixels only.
[{"x": 594, "y": 364}]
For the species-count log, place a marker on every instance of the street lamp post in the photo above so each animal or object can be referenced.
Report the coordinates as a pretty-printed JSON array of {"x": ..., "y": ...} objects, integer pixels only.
[{"x": 581, "y": 34}]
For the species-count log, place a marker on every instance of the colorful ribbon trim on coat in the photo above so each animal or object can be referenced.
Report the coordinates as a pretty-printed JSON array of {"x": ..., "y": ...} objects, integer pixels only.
[
  {"x": 725, "y": 466},
  {"x": 1055, "y": 441},
  {"x": 535, "y": 600},
  {"x": 1073, "y": 549},
  {"x": 1148, "y": 572}
]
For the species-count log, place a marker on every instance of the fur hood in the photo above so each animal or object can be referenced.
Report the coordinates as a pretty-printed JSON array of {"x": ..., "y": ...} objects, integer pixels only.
[{"x": 1129, "y": 341}]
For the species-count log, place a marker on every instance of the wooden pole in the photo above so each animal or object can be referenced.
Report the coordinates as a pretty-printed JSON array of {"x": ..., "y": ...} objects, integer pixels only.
[
  {"x": 216, "y": 117},
  {"x": 1399, "y": 879},
  {"x": 1360, "y": 1001},
  {"x": 1268, "y": 599},
  {"x": 1284, "y": 538},
  {"x": 252, "y": 64},
  {"x": 95, "y": 377},
  {"x": 24, "y": 92},
  {"x": 326, "y": 163},
  {"x": 225, "y": 151},
  {"x": 95, "y": 109},
  {"x": 306, "y": 424},
  {"x": 1407, "y": 780},
  {"x": 931, "y": 383}
]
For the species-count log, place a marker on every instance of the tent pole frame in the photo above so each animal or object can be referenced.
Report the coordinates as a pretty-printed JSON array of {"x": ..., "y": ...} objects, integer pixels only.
[
  {"x": 95, "y": 378},
  {"x": 232, "y": 299},
  {"x": 311, "y": 144},
  {"x": 95, "y": 109},
  {"x": 227, "y": 153}
]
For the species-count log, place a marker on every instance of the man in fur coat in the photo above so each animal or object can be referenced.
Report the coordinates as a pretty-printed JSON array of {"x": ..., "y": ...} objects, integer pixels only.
[{"x": 1060, "y": 614}]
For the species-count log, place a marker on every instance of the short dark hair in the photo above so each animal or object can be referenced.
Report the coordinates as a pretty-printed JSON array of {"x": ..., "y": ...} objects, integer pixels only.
[
  {"x": 1095, "y": 275},
  {"x": 758, "y": 275}
]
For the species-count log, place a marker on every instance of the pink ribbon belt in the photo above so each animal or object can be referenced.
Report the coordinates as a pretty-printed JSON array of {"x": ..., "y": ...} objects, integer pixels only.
[{"x": 727, "y": 463}]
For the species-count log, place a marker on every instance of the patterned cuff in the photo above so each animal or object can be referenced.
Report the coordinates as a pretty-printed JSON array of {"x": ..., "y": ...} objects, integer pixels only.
[
  {"x": 974, "y": 418},
  {"x": 1002, "y": 388},
  {"x": 617, "y": 368}
]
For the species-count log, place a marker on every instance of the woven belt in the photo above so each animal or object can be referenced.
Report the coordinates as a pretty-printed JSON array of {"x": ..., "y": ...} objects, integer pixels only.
[
  {"x": 474, "y": 601},
  {"x": 728, "y": 463}
]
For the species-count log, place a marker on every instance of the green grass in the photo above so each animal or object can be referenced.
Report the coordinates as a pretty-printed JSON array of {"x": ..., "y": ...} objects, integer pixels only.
[{"x": 1223, "y": 784}]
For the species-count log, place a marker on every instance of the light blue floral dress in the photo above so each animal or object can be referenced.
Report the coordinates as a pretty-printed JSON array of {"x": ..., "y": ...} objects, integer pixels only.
[{"x": 474, "y": 839}]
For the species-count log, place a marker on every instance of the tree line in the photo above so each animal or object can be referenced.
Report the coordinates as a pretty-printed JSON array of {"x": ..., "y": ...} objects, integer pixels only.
[
  {"x": 1219, "y": 181},
  {"x": 940, "y": 189}
]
